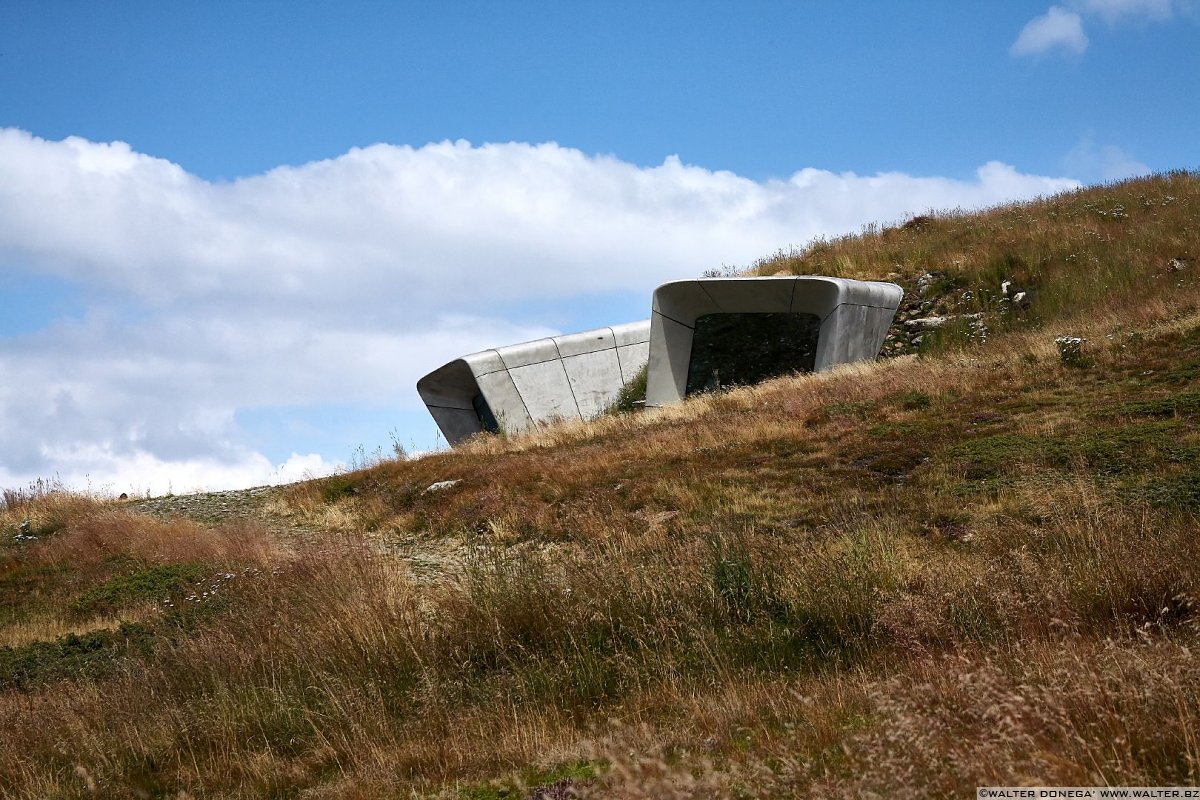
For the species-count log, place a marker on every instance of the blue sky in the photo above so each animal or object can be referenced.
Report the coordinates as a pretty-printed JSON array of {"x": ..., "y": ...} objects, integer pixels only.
[{"x": 232, "y": 235}]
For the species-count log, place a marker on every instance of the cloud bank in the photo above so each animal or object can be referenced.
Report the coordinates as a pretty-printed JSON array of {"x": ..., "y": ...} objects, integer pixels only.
[{"x": 342, "y": 281}]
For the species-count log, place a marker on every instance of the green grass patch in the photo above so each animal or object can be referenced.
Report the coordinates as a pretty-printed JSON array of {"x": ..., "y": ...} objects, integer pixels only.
[
  {"x": 1118, "y": 450},
  {"x": 631, "y": 396},
  {"x": 27, "y": 588},
  {"x": 90, "y": 655},
  {"x": 994, "y": 456},
  {"x": 914, "y": 400},
  {"x": 1184, "y": 404},
  {"x": 149, "y": 584},
  {"x": 337, "y": 487},
  {"x": 532, "y": 783},
  {"x": 854, "y": 409},
  {"x": 1180, "y": 491},
  {"x": 1131, "y": 449}
]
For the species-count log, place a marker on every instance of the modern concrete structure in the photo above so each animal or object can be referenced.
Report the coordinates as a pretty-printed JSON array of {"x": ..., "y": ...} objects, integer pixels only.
[
  {"x": 702, "y": 334},
  {"x": 719, "y": 331},
  {"x": 575, "y": 376}
]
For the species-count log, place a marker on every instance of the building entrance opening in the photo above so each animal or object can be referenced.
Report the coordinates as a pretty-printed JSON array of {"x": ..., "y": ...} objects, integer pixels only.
[
  {"x": 745, "y": 348},
  {"x": 484, "y": 412}
]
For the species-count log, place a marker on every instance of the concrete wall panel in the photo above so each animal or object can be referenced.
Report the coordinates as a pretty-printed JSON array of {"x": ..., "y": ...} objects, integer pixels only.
[
  {"x": 632, "y": 357},
  {"x": 455, "y": 424},
  {"x": 685, "y": 302},
  {"x": 818, "y": 296},
  {"x": 545, "y": 390},
  {"x": 748, "y": 295},
  {"x": 574, "y": 344},
  {"x": 631, "y": 333},
  {"x": 449, "y": 386},
  {"x": 522, "y": 355},
  {"x": 669, "y": 357},
  {"x": 592, "y": 377},
  {"x": 505, "y": 400}
]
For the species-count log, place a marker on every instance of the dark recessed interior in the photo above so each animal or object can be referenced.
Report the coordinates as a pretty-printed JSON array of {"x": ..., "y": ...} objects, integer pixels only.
[
  {"x": 740, "y": 349},
  {"x": 486, "y": 418}
]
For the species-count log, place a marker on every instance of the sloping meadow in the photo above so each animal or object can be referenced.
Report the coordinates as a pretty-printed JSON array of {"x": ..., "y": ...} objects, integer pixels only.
[{"x": 975, "y": 563}]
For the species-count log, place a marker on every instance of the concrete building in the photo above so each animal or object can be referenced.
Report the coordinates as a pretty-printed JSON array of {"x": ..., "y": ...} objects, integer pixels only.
[
  {"x": 702, "y": 334},
  {"x": 714, "y": 332},
  {"x": 575, "y": 376}
]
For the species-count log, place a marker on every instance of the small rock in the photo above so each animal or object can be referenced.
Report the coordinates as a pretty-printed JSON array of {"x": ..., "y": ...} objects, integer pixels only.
[
  {"x": 925, "y": 323},
  {"x": 437, "y": 487}
]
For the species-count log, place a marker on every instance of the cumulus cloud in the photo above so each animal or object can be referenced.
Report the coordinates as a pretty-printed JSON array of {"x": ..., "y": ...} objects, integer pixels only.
[
  {"x": 149, "y": 404},
  {"x": 1058, "y": 29},
  {"x": 1061, "y": 29},
  {"x": 342, "y": 281},
  {"x": 426, "y": 222}
]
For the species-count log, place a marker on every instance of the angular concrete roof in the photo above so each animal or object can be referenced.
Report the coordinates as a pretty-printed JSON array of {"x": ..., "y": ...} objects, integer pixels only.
[{"x": 574, "y": 376}]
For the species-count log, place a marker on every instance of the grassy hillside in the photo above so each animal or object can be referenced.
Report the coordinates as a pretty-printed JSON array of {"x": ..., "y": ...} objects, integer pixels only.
[{"x": 974, "y": 562}]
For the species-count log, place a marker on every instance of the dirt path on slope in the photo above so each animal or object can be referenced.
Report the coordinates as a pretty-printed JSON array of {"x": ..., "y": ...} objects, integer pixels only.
[{"x": 428, "y": 559}]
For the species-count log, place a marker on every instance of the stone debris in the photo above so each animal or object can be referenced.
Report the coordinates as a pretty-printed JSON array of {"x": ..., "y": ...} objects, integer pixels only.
[
  {"x": 437, "y": 487},
  {"x": 205, "y": 506},
  {"x": 926, "y": 323}
]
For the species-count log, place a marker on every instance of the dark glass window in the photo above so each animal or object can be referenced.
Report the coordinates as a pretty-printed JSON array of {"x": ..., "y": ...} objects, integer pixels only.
[
  {"x": 740, "y": 349},
  {"x": 486, "y": 418}
]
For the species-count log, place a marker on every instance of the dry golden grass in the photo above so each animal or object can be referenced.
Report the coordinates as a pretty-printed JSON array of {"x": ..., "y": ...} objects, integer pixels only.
[
  {"x": 115, "y": 533},
  {"x": 44, "y": 508},
  {"x": 1067, "y": 713},
  {"x": 56, "y": 625}
]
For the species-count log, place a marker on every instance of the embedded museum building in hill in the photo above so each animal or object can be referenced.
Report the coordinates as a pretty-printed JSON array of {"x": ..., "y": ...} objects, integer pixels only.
[{"x": 702, "y": 334}]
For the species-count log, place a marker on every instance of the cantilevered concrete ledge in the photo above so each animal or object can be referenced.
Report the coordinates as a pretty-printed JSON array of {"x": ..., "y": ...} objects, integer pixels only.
[
  {"x": 575, "y": 376},
  {"x": 719, "y": 331}
]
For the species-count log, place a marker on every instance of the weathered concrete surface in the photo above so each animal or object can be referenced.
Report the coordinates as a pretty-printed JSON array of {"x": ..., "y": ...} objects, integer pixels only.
[
  {"x": 575, "y": 376},
  {"x": 854, "y": 318}
]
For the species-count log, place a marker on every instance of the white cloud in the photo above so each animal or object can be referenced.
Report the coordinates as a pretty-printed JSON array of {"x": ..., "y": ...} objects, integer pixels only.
[
  {"x": 1062, "y": 28},
  {"x": 301, "y": 467},
  {"x": 151, "y": 405},
  {"x": 342, "y": 281},
  {"x": 94, "y": 468},
  {"x": 1057, "y": 29},
  {"x": 447, "y": 226}
]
